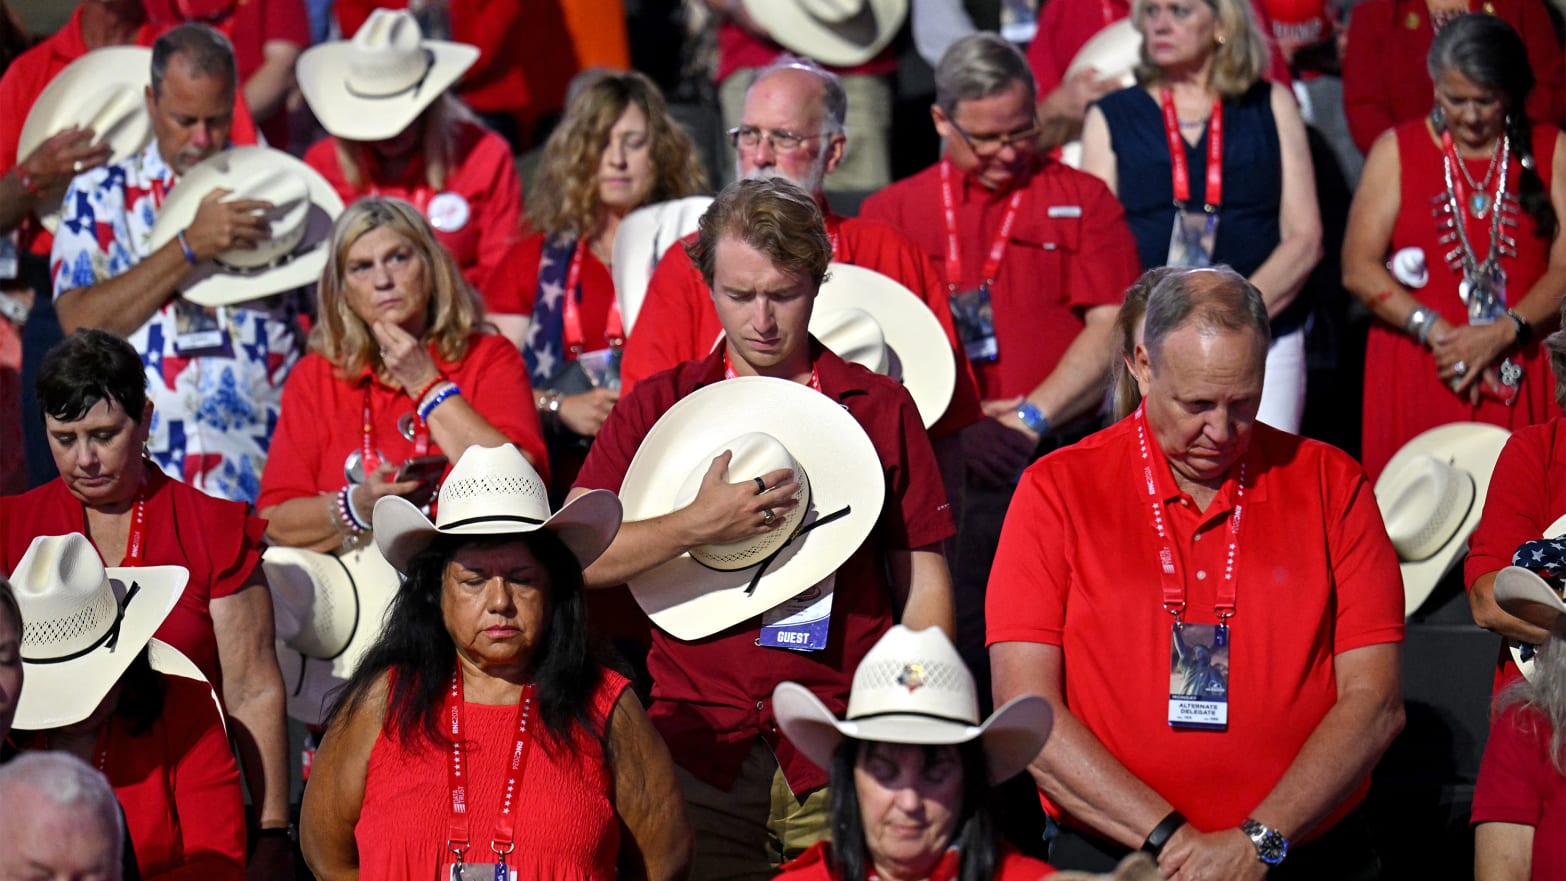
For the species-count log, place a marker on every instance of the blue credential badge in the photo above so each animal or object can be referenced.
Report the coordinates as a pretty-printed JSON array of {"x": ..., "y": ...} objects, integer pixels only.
[
  {"x": 1199, "y": 676},
  {"x": 801, "y": 623}
]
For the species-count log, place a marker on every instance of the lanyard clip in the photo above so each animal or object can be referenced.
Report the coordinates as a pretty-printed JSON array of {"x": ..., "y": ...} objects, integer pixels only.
[{"x": 1178, "y": 611}]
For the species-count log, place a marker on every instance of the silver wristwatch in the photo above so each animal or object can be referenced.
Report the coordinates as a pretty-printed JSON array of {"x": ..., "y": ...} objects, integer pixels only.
[{"x": 1271, "y": 846}]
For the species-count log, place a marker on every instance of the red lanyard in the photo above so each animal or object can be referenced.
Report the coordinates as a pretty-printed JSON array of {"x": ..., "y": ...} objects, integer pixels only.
[
  {"x": 728, "y": 371},
  {"x": 367, "y": 454},
  {"x": 136, "y": 542},
  {"x": 1173, "y": 584},
  {"x": 575, "y": 339},
  {"x": 992, "y": 262},
  {"x": 459, "y": 771},
  {"x": 1180, "y": 169}
]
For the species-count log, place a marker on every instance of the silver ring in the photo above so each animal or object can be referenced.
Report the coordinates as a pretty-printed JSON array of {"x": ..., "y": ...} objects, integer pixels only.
[
  {"x": 1460, "y": 368},
  {"x": 77, "y": 166},
  {"x": 767, "y": 516}
]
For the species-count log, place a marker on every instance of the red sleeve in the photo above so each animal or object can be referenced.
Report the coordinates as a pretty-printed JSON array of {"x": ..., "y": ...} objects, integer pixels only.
[
  {"x": 1044, "y": 56},
  {"x": 512, "y": 283},
  {"x": 1106, "y": 262},
  {"x": 661, "y": 337},
  {"x": 207, "y": 799},
  {"x": 294, "y": 458},
  {"x": 1547, "y": 102},
  {"x": 1511, "y": 514},
  {"x": 1368, "y": 586},
  {"x": 287, "y": 21},
  {"x": 500, "y": 220},
  {"x": 17, "y": 93},
  {"x": 234, "y": 541},
  {"x": 1026, "y": 597},
  {"x": 1365, "y": 103},
  {"x": 502, "y": 395},
  {"x": 1516, "y": 759},
  {"x": 244, "y": 131},
  {"x": 615, "y": 446},
  {"x": 925, "y": 516}
]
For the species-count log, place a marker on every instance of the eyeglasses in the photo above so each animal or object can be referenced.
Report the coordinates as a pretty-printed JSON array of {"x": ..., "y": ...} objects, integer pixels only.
[
  {"x": 750, "y": 137},
  {"x": 985, "y": 146}
]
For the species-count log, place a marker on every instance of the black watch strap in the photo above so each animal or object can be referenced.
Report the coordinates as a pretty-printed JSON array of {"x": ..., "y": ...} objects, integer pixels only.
[
  {"x": 1524, "y": 329},
  {"x": 1161, "y": 833}
]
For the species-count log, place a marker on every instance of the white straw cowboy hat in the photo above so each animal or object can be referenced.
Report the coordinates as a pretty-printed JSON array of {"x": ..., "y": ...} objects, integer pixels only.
[
  {"x": 873, "y": 320},
  {"x": 1431, "y": 495},
  {"x": 372, "y": 87},
  {"x": 82, "y": 625},
  {"x": 768, "y": 424},
  {"x": 640, "y": 242},
  {"x": 494, "y": 491},
  {"x": 329, "y": 611},
  {"x": 170, "y": 661},
  {"x": 1114, "y": 52},
  {"x": 104, "y": 90},
  {"x": 912, "y": 687},
  {"x": 304, "y": 208},
  {"x": 840, "y": 33}
]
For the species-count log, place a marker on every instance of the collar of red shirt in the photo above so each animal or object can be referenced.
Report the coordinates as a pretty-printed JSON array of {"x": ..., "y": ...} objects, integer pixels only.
[
  {"x": 839, "y": 381},
  {"x": 67, "y": 43},
  {"x": 1168, "y": 491}
]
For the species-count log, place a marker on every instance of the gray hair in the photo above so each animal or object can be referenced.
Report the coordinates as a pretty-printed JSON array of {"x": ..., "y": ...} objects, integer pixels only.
[
  {"x": 205, "y": 52},
  {"x": 1217, "y": 299},
  {"x": 834, "y": 101},
  {"x": 978, "y": 66},
  {"x": 66, "y": 782},
  {"x": 1547, "y": 692}
]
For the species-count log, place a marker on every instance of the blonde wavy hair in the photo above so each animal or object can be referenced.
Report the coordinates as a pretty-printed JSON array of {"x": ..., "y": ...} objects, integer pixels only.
[
  {"x": 454, "y": 312},
  {"x": 1238, "y": 62},
  {"x": 438, "y": 142},
  {"x": 565, "y": 196}
]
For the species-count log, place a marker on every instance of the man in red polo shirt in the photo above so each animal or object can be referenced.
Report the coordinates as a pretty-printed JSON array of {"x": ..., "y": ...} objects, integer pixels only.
[
  {"x": 1222, "y": 684},
  {"x": 754, "y": 799}
]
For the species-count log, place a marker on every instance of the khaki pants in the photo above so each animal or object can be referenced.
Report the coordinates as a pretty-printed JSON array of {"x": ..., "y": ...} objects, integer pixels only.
[
  {"x": 867, "y": 159},
  {"x": 745, "y": 833}
]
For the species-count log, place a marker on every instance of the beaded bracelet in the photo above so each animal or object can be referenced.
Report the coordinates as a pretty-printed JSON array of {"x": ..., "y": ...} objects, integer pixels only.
[
  {"x": 184, "y": 245},
  {"x": 349, "y": 514},
  {"x": 439, "y": 378},
  {"x": 436, "y": 397}
]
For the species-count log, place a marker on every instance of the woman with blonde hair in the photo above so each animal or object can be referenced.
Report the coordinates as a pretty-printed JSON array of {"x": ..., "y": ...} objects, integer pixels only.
[
  {"x": 401, "y": 378},
  {"x": 1212, "y": 166},
  {"x": 616, "y": 149}
]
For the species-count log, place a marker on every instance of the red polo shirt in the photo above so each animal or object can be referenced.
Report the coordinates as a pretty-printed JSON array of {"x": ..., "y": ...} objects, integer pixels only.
[
  {"x": 1070, "y": 250},
  {"x": 514, "y": 283},
  {"x": 677, "y": 321},
  {"x": 1527, "y": 494},
  {"x": 26, "y": 78},
  {"x": 322, "y": 418},
  {"x": 484, "y": 184},
  {"x": 1315, "y": 575},
  {"x": 713, "y": 697}
]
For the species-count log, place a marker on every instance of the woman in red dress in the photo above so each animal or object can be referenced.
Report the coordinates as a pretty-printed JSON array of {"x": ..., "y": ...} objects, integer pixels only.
[{"x": 1467, "y": 201}]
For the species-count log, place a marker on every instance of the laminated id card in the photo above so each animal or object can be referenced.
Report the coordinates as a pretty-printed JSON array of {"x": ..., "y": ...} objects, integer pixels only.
[
  {"x": 975, "y": 320},
  {"x": 801, "y": 623},
  {"x": 481, "y": 872},
  {"x": 1192, "y": 239},
  {"x": 199, "y": 330},
  {"x": 1199, "y": 676}
]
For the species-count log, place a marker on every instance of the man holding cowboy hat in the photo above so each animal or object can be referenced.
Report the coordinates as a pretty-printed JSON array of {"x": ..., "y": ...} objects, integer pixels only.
[
  {"x": 180, "y": 271},
  {"x": 769, "y": 490}
]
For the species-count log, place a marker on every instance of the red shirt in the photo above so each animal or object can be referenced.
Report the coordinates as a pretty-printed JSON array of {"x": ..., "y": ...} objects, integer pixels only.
[
  {"x": 1316, "y": 575},
  {"x": 1070, "y": 250},
  {"x": 1010, "y": 865},
  {"x": 512, "y": 286},
  {"x": 739, "y": 49},
  {"x": 485, "y": 181},
  {"x": 677, "y": 321},
  {"x": 1527, "y": 494},
  {"x": 713, "y": 697},
  {"x": 322, "y": 421},
  {"x": 26, "y": 78},
  {"x": 216, "y": 539},
  {"x": 1519, "y": 784},
  {"x": 1065, "y": 26},
  {"x": 1384, "y": 76}
]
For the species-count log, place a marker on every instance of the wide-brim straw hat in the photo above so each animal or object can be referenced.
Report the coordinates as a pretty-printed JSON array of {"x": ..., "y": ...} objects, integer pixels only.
[
  {"x": 904, "y": 339},
  {"x": 912, "y": 687},
  {"x": 329, "y": 609},
  {"x": 82, "y": 625},
  {"x": 1431, "y": 495},
  {"x": 375, "y": 85},
  {"x": 494, "y": 491},
  {"x": 304, "y": 207},
  {"x": 1521, "y": 592},
  {"x": 104, "y": 90},
  {"x": 1114, "y": 52},
  {"x": 839, "y": 33},
  {"x": 640, "y": 242},
  {"x": 767, "y": 423}
]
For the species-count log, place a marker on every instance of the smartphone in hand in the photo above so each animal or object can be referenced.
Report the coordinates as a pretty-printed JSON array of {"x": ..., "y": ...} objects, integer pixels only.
[{"x": 424, "y": 469}]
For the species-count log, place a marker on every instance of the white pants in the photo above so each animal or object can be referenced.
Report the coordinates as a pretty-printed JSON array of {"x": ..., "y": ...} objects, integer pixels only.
[{"x": 1283, "y": 393}]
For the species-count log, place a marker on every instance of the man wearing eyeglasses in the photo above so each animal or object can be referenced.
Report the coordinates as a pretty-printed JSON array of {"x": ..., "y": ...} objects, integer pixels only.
[
  {"x": 1036, "y": 258},
  {"x": 792, "y": 127}
]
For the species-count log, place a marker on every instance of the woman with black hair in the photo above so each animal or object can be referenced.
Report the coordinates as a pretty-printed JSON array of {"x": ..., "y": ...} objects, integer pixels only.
[
  {"x": 912, "y": 767},
  {"x": 479, "y": 736},
  {"x": 1454, "y": 243}
]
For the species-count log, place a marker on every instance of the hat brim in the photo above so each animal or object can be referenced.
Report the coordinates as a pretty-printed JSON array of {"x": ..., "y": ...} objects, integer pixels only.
[
  {"x": 1114, "y": 52},
  {"x": 1471, "y": 447},
  {"x": 641, "y": 240},
  {"x": 211, "y": 284},
  {"x": 919, "y": 348},
  {"x": 1012, "y": 735},
  {"x": 322, "y": 72},
  {"x": 689, "y": 600},
  {"x": 170, "y": 661},
  {"x": 66, "y": 692},
  {"x": 855, "y": 42},
  {"x": 586, "y": 525}
]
